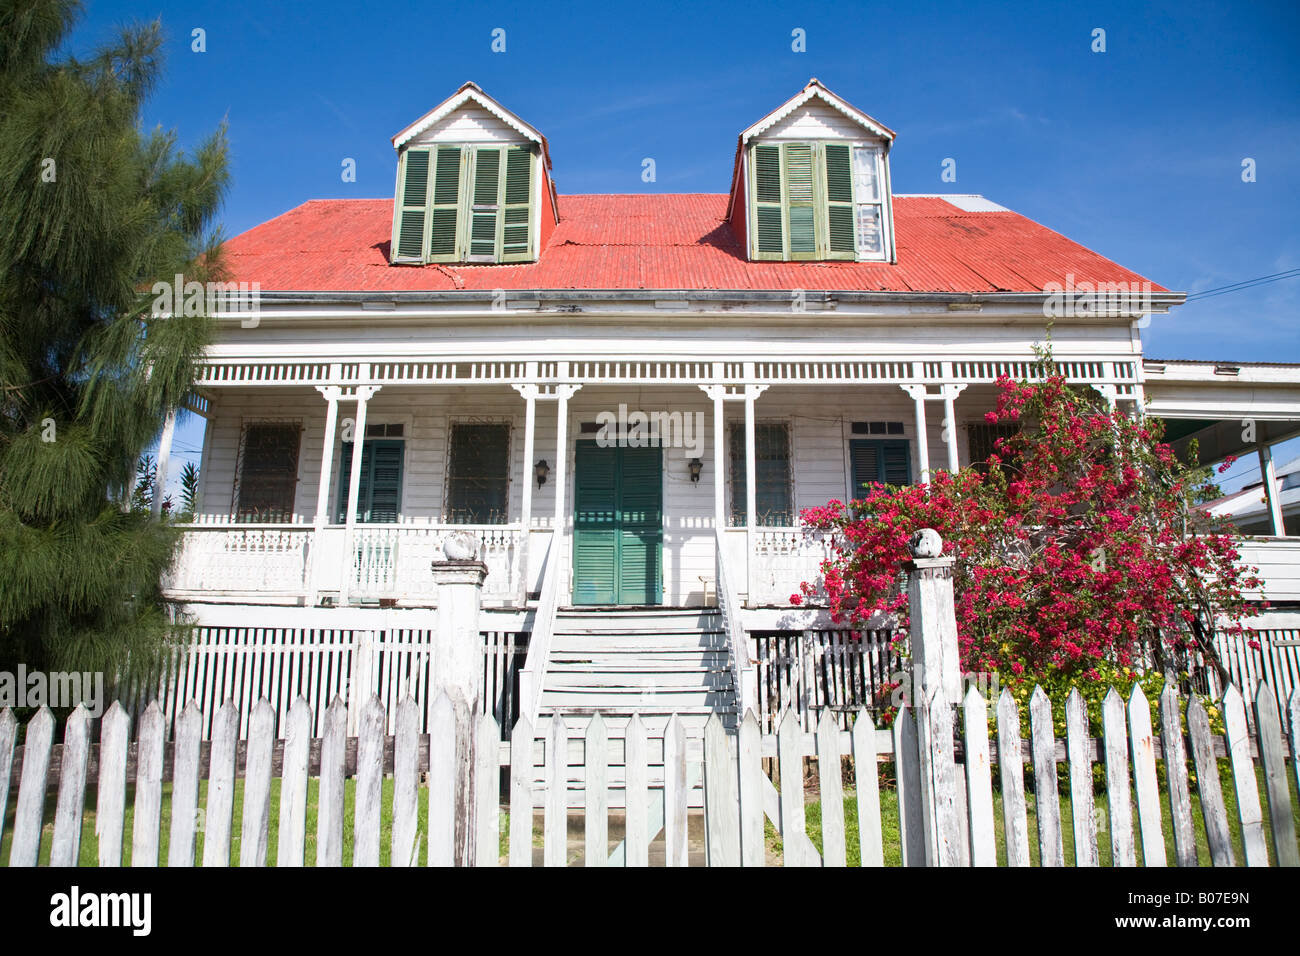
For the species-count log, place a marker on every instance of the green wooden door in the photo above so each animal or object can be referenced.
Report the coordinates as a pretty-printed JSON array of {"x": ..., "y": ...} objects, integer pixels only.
[{"x": 618, "y": 525}]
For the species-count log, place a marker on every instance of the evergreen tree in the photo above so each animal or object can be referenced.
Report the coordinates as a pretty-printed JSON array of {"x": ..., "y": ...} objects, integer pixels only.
[{"x": 93, "y": 212}]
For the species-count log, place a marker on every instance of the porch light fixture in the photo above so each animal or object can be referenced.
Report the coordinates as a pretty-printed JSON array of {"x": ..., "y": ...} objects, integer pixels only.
[
  {"x": 541, "y": 470},
  {"x": 696, "y": 466}
]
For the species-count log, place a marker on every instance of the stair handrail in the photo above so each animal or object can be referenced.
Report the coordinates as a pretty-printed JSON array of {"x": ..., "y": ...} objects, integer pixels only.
[
  {"x": 539, "y": 640},
  {"x": 742, "y": 663}
]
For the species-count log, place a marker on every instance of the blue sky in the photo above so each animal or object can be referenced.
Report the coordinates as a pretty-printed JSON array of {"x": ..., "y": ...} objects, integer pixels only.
[{"x": 1135, "y": 152}]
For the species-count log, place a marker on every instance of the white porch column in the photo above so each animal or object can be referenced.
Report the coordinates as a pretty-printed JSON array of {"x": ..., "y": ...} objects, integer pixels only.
[
  {"x": 529, "y": 393},
  {"x": 562, "y": 394},
  {"x": 164, "y": 454},
  {"x": 1269, "y": 474},
  {"x": 950, "y": 393},
  {"x": 917, "y": 392},
  {"x": 719, "y": 453},
  {"x": 363, "y": 395},
  {"x": 332, "y": 394}
]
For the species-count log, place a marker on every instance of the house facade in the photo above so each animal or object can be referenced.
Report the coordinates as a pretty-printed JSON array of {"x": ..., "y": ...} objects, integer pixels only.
[{"x": 621, "y": 403}]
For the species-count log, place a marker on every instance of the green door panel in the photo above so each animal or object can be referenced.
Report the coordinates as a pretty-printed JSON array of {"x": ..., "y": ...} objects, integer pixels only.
[{"x": 618, "y": 525}]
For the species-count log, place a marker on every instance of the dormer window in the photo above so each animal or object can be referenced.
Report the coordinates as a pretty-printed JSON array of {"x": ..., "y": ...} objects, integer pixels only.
[
  {"x": 473, "y": 185},
  {"x": 464, "y": 204},
  {"x": 815, "y": 179}
]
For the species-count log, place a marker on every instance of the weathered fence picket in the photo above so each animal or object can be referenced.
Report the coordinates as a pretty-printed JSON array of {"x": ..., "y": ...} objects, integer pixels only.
[
  {"x": 636, "y": 794},
  {"x": 1015, "y": 824},
  {"x": 293, "y": 787},
  {"x": 221, "y": 787},
  {"x": 866, "y": 778},
  {"x": 110, "y": 809},
  {"x": 8, "y": 743},
  {"x": 596, "y": 793},
  {"x": 1243, "y": 777},
  {"x": 406, "y": 783},
  {"x": 1207, "y": 785},
  {"x": 1180, "y": 800},
  {"x": 1144, "y": 777},
  {"x": 464, "y": 756},
  {"x": 1082, "y": 806},
  {"x": 1047, "y": 800},
  {"x": 368, "y": 803},
  {"x": 1269, "y": 733},
  {"x": 66, "y": 845},
  {"x": 1114, "y": 729}
]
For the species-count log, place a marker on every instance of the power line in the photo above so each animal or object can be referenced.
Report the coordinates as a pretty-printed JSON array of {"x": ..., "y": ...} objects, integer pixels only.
[{"x": 1244, "y": 284}]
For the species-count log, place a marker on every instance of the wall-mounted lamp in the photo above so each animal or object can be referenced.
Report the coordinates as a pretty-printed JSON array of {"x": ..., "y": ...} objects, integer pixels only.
[
  {"x": 541, "y": 470},
  {"x": 696, "y": 466}
]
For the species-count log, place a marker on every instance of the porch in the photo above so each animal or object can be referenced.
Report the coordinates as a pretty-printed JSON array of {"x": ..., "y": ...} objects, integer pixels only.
[{"x": 287, "y": 514}]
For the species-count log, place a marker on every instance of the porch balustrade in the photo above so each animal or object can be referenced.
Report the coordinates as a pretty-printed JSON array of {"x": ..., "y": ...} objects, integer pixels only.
[{"x": 220, "y": 559}]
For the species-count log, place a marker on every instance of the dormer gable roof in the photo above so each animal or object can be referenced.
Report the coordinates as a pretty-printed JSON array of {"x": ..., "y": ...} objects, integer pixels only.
[
  {"x": 471, "y": 93},
  {"x": 815, "y": 90}
]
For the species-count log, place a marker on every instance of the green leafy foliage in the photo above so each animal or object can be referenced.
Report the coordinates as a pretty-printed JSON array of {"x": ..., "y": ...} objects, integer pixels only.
[{"x": 93, "y": 212}]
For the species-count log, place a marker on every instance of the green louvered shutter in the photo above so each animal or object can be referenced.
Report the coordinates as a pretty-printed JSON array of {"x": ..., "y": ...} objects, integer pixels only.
[
  {"x": 484, "y": 213},
  {"x": 769, "y": 216},
  {"x": 801, "y": 202},
  {"x": 641, "y": 526},
  {"x": 379, "y": 495},
  {"x": 445, "y": 215},
  {"x": 596, "y": 535},
  {"x": 516, "y": 209},
  {"x": 413, "y": 190},
  {"x": 873, "y": 461},
  {"x": 839, "y": 202}
]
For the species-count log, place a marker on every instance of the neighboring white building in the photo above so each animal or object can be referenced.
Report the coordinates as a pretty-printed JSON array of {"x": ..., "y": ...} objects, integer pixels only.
[
  {"x": 1248, "y": 507},
  {"x": 806, "y": 333}
]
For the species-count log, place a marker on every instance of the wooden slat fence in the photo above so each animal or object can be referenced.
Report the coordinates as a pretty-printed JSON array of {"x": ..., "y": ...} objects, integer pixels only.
[
  {"x": 281, "y": 664},
  {"x": 844, "y": 671},
  {"x": 945, "y": 799}
]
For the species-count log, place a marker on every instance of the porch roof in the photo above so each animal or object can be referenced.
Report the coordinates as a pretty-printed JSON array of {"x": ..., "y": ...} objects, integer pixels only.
[{"x": 668, "y": 242}]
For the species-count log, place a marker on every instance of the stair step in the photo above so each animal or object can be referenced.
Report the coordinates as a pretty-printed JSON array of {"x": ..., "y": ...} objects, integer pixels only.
[{"x": 682, "y": 680}]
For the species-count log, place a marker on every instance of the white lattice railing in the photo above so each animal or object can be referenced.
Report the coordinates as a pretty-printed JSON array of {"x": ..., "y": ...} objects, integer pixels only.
[
  {"x": 782, "y": 559},
  {"x": 230, "y": 559},
  {"x": 389, "y": 561},
  {"x": 392, "y": 560}
]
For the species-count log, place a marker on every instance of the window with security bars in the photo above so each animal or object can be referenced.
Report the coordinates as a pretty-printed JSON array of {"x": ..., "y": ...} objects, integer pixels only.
[
  {"x": 464, "y": 204},
  {"x": 817, "y": 201},
  {"x": 478, "y": 473},
  {"x": 773, "y": 497},
  {"x": 982, "y": 441},
  {"x": 266, "y": 478}
]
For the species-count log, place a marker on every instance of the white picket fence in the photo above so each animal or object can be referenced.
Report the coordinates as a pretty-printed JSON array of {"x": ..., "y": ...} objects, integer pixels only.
[{"x": 945, "y": 792}]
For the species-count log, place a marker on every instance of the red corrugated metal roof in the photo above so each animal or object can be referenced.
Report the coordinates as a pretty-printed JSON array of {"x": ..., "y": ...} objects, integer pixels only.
[{"x": 666, "y": 242}]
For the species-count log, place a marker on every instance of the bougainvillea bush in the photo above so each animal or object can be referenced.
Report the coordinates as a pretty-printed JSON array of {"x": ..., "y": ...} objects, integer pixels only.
[{"x": 1074, "y": 553}]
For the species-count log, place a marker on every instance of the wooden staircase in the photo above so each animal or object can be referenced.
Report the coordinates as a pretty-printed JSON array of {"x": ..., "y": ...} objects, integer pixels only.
[{"x": 648, "y": 661}]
